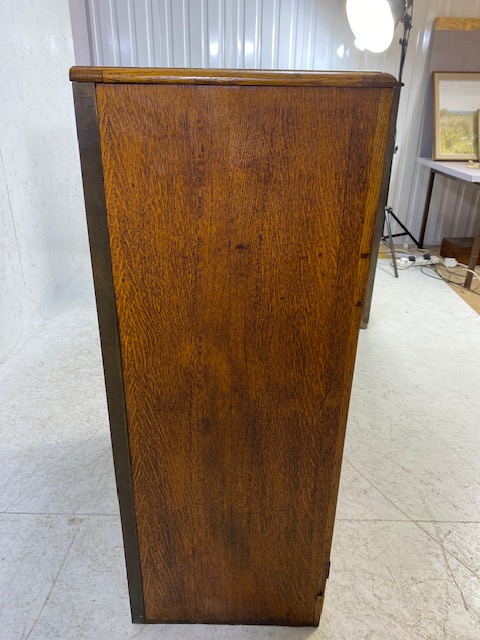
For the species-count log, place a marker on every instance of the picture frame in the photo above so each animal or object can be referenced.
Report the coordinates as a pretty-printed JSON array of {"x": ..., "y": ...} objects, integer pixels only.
[
  {"x": 478, "y": 134},
  {"x": 456, "y": 99}
]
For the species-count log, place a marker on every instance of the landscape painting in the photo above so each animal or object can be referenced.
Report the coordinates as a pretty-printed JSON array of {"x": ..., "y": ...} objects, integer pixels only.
[{"x": 456, "y": 103}]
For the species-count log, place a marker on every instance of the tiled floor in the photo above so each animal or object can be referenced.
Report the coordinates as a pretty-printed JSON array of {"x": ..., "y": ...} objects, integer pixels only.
[{"x": 406, "y": 552}]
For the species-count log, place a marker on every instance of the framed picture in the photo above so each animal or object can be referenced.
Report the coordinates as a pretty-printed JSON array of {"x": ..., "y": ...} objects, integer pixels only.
[
  {"x": 478, "y": 134},
  {"x": 456, "y": 99}
]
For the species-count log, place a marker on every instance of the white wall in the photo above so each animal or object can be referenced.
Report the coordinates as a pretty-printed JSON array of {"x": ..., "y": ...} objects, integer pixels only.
[
  {"x": 455, "y": 210},
  {"x": 294, "y": 34},
  {"x": 42, "y": 220},
  {"x": 81, "y": 41}
]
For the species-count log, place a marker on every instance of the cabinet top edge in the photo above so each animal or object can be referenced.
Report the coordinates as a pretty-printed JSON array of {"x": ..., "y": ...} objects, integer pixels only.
[{"x": 137, "y": 75}]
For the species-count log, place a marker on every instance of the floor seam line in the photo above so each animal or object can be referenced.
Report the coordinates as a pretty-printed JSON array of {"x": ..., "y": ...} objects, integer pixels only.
[
  {"x": 379, "y": 491},
  {"x": 415, "y": 522},
  {"x": 445, "y": 550},
  {"x": 63, "y": 458},
  {"x": 62, "y": 564}
]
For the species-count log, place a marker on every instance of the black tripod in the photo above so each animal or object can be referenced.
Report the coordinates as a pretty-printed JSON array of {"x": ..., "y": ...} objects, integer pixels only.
[{"x": 389, "y": 213}]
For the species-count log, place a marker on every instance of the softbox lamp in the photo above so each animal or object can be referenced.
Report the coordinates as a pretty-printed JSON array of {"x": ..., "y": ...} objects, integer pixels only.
[{"x": 373, "y": 22}]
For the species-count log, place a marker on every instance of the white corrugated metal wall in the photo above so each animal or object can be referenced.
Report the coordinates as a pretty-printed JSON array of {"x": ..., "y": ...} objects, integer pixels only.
[{"x": 295, "y": 34}]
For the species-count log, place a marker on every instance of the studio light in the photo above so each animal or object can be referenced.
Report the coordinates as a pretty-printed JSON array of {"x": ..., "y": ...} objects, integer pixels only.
[{"x": 373, "y": 22}]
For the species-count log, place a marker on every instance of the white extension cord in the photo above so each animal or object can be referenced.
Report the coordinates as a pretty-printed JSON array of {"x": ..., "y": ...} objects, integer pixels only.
[
  {"x": 406, "y": 260},
  {"x": 416, "y": 260}
]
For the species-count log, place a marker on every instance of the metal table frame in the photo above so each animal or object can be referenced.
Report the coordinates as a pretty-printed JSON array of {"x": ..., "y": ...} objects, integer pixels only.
[{"x": 460, "y": 172}]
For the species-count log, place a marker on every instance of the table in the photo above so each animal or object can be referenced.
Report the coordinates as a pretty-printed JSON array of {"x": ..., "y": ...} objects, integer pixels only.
[{"x": 461, "y": 172}]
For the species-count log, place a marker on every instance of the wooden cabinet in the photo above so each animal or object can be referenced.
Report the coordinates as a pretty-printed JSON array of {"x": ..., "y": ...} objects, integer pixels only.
[{"x": 230, "y": 217}]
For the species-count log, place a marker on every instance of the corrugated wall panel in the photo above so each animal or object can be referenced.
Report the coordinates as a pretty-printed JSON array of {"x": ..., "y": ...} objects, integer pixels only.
[
  {"x": 296, "y": 34},
  {"x": 452, "y": 210}
]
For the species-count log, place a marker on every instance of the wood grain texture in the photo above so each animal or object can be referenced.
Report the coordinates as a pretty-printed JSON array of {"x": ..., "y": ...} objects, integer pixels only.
[
  {"x": 457, "y": 24},
  {"x": 240, "y": 223},
  {"x": 136, "y": 75}
]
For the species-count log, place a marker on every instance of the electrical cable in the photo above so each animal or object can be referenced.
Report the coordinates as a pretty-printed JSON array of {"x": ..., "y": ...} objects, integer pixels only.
[
  {"x": 458, "y": 275},
  {"x": 420, "y": 252},
  {"x": 424, "y": 266},
  {"x": 398, "y": 250},
  {"x": 402, "y": 267},
  {"x": 433, "y": 266},
  {"x": 439, "y": 276},
  {"x": 464, "y": 266}
]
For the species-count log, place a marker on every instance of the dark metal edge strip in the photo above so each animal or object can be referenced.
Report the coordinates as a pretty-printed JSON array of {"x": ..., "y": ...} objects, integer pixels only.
[
  {"x": 91, "y": 162},
  {"x": 382, "y": 203}
]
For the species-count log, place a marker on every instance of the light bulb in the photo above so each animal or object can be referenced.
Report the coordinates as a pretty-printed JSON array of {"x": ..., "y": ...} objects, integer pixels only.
[{"x": 372, "y": 23}]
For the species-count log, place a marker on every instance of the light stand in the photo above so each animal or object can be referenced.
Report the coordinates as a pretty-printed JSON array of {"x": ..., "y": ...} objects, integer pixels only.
[
  {"x": 373, "y": 23},
  {"x": 406, "y": 21}
]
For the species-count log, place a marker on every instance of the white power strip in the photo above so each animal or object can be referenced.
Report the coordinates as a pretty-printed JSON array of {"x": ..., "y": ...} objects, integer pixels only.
[{"x": 419, "y": 261}]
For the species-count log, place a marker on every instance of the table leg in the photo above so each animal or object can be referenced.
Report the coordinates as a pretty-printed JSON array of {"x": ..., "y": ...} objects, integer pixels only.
[
  {"x": 426, "y": 208},
  {"x": 472, "y": 262}
]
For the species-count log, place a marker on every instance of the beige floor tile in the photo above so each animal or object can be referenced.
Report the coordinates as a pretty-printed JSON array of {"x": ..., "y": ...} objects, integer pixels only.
[
  {"x": 461, "y": 539},
  {"x": 412, "y": 452},
  {"x": 390, "y": 581}
]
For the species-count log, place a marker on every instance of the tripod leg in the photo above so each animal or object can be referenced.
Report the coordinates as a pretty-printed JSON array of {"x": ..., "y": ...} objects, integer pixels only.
[
  {"x": 407, "y": 232},
  {"x": 388, "y": 211}
]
